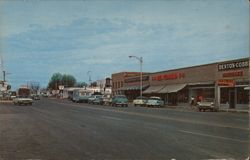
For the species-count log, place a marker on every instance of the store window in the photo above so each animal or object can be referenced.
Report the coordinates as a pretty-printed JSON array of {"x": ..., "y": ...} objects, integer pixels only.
[
  {"x": 224, "y": 95},
  {"x": 209, "y": 93},
  {"x": 242, "y": 96},
  {"x": 183, "y": 96}
]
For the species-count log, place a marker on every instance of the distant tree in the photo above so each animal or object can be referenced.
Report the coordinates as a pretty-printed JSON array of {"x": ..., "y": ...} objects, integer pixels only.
[
  {"x": 81, "y": 84},
  {"x": 34, "y": 87},
  {"x": 68, "y": 80},
  {"x": 58, "y": 79},
  {"x": 55, "y": 81}
]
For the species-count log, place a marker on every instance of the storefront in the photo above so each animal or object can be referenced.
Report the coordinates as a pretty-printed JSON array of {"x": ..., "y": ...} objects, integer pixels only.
[
  {"x": 225, "y": 82},
  {"x": 132, "y": 86},
  {"x": 232, "y": 79},
  {"x": 176, "y": 87}
]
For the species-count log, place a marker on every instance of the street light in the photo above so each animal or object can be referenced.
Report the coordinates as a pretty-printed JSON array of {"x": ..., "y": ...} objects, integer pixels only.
[
  {"x": 89, "y": 77},
  {"x": 141, "y": 61}
]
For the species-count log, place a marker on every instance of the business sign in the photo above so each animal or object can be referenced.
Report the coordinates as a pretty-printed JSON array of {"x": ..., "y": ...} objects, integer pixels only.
[
  {"x": 233, "y": 65},
  {"x": 226, "y": 82},
  {"x": 233, "y": 74},
  {"x": 171, "y": 76},
  {"x": 61, "y": 87}
]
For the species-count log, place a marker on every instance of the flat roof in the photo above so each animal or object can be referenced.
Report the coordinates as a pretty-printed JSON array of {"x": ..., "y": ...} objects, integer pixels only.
[{"x": 201, "y": 65}]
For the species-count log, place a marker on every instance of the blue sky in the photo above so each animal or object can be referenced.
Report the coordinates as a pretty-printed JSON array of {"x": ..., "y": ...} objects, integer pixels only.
[{"x": 39, "y": 38}]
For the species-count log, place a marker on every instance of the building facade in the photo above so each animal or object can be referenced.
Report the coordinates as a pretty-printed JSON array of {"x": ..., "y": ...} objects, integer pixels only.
[
  {"x": 226, "y": 82},
  {"x": 118, "y": 81}
]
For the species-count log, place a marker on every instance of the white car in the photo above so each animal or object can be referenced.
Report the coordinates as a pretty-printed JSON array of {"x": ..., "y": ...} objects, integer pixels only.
[
  {"x": 22, "y": 101},
  {"x": 140, "y": 101},
  {"x": 155, "y": 101}
]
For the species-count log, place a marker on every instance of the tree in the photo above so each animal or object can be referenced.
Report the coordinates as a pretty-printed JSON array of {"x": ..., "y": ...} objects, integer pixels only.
[
  {"x": 55, "y": 81},
  {"x": 34, "y": 87},
  {"x": 81, "y": 84},
  {"x": 58, "y": 79}
]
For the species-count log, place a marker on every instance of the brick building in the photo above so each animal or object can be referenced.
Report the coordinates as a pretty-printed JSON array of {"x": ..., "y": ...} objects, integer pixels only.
[{"x": 226, "y": 82}]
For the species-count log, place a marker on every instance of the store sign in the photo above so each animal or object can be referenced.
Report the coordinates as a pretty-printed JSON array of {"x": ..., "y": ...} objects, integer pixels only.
[
  {"x": 168, "y": 76},
  {"x": 226, "y": 82},
  {"x": 61, "y": 87},
  {"x": 233, "y": 74},
  {"x": 233, "y": 65}
]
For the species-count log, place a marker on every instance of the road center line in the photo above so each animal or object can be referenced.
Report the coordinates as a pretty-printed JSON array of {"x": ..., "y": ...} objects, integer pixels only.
[
  {"x": 113, "y": 118},
  {"x": 212, "y": 136}
]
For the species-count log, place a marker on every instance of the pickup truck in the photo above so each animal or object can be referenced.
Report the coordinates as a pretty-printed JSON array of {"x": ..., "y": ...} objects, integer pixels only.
[{"x": 207, "y": 104}]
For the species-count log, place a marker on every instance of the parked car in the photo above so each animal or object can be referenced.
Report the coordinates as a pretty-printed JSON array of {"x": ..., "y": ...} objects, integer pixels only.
[
  {"x": 120, "y": 100},
  {"x": 80, "y": 95},
  {"x": 92, "y": 98},
  {"x": 98, "y": 99},
  {"x": 35, "y": 97},
  {"x": 207, "y": 104},
  {"x": 106, "y": 99},
  {"x": 155, "y": 102},
  {"x": 140, "y": 101}
]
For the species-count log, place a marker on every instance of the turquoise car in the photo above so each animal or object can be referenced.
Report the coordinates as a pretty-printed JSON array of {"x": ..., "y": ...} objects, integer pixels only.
[{"x": 119, "y": 100}]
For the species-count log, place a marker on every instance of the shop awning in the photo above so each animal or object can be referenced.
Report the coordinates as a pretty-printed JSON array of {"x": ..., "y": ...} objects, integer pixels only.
[
  {"x": 201, "y": 83},
  {"x": 172, "y": 88},
  {"x": 247, "y": 88},
  {"x": 153, "y": 89},
  {"x": 126, "y": 88}
]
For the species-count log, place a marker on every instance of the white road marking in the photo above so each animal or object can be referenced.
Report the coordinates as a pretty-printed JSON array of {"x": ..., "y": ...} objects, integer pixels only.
[
  {"x": 113, "y": 118},
  {"x": 212, "y": 136}
]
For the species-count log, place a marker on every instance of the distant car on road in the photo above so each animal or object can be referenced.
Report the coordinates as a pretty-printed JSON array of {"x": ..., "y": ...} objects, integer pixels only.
[
  {"x": 35, "y": 97},
  {"x": 92, "y": 98},
  {"x": 120, "y": 100},
  {"x": 155, "y": 102},
  {"x": 98, "y": 100},
  {"x": 22, "y": 101},
  {"x": 140, "y": 101},
  {"x": 207, "y": 104},
  {"x": 23, "y": 97}
]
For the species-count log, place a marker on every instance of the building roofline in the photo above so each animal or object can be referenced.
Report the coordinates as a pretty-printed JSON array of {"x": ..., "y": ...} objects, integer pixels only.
[{"x": 201, "y": 65}]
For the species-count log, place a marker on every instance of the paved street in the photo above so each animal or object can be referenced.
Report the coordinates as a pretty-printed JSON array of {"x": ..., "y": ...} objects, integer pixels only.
[{"x": 62, "y": 130}]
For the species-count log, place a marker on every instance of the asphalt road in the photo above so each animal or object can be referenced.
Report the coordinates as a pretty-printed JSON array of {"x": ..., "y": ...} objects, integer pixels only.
[{"x": 61, "y": 130}]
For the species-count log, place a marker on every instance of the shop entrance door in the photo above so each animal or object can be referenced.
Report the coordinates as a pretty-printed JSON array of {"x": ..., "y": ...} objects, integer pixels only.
[{"x": 231, "y": 99}]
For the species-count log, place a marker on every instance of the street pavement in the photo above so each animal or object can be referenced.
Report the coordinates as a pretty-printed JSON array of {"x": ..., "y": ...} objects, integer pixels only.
[{"x": 54, "y": 129}]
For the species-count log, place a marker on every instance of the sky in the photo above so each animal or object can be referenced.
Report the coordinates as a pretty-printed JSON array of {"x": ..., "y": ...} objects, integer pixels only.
[{"x": 42, "y": 37}]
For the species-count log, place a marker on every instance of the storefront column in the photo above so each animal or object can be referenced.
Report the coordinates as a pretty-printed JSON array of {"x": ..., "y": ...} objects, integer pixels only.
[{"x": 217, "y": 95}]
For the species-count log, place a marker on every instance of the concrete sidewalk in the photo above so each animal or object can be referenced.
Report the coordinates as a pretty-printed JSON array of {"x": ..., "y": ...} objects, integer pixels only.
[
  {"x": 194, "y": 108},
  {"x": 6, "y": 101}
]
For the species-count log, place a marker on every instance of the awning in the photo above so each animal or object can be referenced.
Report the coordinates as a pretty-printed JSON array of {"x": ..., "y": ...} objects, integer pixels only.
[
  {"x": 126, "y": 88},
  {"x": 172, "y": 88},
  {"x": 153, "y": 89},
  {"x": 201, "y": 83},
  {"x": 247, "y": 88}
]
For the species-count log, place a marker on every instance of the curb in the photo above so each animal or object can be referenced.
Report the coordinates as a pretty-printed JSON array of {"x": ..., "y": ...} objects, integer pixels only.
[{"x": 234, "y": 111}]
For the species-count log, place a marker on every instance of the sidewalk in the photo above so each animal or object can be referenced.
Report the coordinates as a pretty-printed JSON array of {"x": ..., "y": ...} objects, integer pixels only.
[
  {"x": 194, "y": 108},
  {"x": 6, "y": 101}
]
